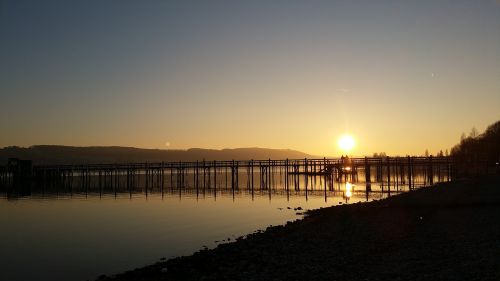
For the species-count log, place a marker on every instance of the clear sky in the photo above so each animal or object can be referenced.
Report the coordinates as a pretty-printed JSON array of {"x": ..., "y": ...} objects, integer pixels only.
[{"x": 400, "y": 76}]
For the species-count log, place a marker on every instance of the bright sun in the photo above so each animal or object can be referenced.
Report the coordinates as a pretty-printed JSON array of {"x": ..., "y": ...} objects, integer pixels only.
[{"x": 346, "y": 143}]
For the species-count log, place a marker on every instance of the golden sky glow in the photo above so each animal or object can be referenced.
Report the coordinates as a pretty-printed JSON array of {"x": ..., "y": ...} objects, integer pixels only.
[{"x": 402, "y": 77}]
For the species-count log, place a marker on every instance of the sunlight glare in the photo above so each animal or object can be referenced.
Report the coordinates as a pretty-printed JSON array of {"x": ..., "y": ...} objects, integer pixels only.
[
  {"x": 348, "y": 190},
  {"x": 346, "y": 143}
]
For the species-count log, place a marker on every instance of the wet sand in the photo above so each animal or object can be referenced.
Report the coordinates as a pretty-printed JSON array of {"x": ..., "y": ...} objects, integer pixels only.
[{"x": 450, "y": 231}]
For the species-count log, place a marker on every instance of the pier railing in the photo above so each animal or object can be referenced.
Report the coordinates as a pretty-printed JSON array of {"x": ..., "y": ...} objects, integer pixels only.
[{"x": 344, "y": 168}]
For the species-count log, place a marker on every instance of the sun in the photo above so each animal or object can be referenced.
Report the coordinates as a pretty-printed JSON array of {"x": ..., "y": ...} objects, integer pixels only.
[{"x": 346, "y": 143}]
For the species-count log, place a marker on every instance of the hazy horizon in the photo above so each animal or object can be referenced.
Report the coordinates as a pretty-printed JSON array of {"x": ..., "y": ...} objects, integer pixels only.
[
  {"x": 167, "y": 149},
  {"x": 399, "y": 76}
]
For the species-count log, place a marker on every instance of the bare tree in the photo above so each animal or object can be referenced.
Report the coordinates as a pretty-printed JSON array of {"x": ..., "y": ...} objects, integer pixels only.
[
  {"x": 462, "y": 138},
  {"x": 473, "y": 133}
]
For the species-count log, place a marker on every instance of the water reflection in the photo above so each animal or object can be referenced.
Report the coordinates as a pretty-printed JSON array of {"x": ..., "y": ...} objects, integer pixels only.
[
  {"x": 348, "y": 190},
  {"x": 82, "y": 224},
  {"x": 84, "y": 232},
  {"x": 215, "y": 184}
]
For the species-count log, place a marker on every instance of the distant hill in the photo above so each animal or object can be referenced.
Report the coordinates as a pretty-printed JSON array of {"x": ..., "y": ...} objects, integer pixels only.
[{"x": 56, "y": 154}]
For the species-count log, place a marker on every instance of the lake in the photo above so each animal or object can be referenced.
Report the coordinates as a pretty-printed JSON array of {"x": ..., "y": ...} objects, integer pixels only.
[{"x": 81, "y": 230}]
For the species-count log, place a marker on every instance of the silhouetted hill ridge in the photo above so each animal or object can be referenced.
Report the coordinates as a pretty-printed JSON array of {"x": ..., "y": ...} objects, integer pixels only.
[{"x": 59, "y": 154}]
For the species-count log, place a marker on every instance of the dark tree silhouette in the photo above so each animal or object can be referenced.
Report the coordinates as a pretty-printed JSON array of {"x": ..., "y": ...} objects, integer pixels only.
[{"x": 478, "y": 152}]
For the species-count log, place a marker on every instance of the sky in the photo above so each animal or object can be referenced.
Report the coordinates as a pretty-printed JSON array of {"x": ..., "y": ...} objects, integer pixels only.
[{"x": 399, "y": 76}]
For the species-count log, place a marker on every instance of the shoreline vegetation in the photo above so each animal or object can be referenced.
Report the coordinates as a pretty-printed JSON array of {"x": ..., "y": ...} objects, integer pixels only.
[{"x": 448, "y": 231}]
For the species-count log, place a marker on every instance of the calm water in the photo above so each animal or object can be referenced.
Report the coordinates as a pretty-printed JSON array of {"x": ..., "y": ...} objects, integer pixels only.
[{"x": 79, "y": 232}]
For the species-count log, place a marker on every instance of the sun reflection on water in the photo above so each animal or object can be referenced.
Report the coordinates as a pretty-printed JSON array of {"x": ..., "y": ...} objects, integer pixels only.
[{"x": 348, "y": 190}]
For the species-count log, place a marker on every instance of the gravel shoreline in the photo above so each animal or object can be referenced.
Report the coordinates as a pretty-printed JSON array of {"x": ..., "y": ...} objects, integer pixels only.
[{"x": 446, "y": 232}]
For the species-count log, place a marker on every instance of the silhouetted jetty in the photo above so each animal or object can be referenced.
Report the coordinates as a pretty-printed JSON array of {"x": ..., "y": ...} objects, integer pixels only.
[{"x": 390, "y": 171}]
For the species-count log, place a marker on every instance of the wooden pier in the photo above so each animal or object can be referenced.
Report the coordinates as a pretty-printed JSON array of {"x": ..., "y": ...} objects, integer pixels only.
[{"x": 296, "y": 173}]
